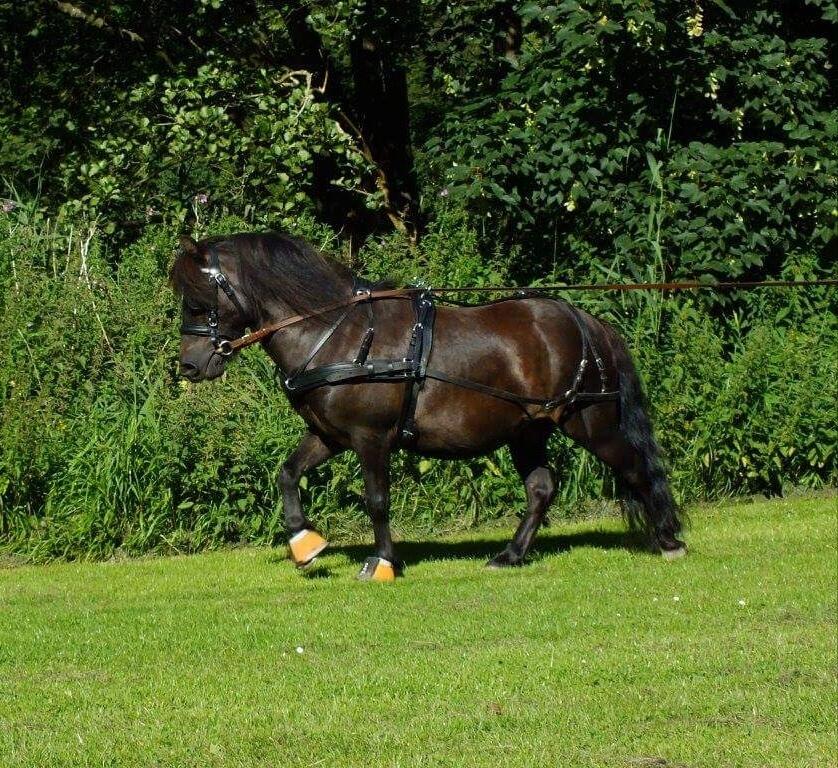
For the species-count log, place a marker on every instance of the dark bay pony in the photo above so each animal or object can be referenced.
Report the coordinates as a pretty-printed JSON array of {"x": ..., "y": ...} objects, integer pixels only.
[{"x": 461, "y": 381}]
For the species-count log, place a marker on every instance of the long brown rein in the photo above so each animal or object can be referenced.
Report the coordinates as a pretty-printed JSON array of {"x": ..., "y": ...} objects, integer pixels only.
[
  {"x": 689, "y": 285},
  {"x": 228, "y": 347},
  {"x": 256, "y": 336}
]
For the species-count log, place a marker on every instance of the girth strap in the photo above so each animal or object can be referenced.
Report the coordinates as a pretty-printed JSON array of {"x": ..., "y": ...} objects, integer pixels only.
[{"x": 418, "y": 353}]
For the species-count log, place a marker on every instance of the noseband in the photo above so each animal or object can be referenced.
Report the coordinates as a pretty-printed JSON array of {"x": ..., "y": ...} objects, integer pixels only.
[{"x": 219, "y": 280}]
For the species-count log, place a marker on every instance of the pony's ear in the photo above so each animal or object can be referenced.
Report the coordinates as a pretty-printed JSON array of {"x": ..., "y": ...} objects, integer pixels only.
[{"x": 188, "y": 246}]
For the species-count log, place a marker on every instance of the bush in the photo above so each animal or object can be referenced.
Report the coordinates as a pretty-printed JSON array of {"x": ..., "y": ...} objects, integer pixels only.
[
  {"x": 636, "y": 131},
  {"x": 750, "y": 416}
]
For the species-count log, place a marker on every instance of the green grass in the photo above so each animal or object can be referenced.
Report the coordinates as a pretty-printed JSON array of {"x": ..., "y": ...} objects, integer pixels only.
[{"x": 594, "y": 655}]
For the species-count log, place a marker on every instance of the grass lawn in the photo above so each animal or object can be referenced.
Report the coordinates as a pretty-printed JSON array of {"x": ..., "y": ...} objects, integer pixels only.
[{"x": 593, "y": 655}]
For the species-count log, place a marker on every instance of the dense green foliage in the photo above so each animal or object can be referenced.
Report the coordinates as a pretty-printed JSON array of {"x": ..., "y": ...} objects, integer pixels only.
[
  {"x": 579, "y": 130},
  {"x": 619, "y": 140},
  {"x": 592, "y": 657},
  {"x": 727, "y": 118}
]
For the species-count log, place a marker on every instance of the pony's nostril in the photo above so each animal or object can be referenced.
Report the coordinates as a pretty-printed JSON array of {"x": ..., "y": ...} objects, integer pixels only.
[{"x": 188, "y": 370}]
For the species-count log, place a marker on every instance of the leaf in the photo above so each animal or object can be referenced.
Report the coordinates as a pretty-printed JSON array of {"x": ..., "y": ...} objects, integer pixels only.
[
  {"x": 726, "y": 8},
  {"x": 654, "y": 167}
]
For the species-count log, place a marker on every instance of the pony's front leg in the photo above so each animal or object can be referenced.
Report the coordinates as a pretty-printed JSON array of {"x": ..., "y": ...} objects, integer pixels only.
[
  {"x": 305, "y": 542},
  {"x": 374, "y": 456}
]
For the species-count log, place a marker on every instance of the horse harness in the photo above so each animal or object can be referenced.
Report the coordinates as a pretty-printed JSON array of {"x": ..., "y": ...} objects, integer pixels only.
[{"x": 413, "y": 368}]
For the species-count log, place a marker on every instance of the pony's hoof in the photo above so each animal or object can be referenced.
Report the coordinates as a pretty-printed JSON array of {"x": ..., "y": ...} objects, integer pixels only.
[
  {"x": 504, "y": 560},
  {"x": 379, "y": 569},
  {"x": 305, "y": 545},
  {"x": 674, "y": 554}
]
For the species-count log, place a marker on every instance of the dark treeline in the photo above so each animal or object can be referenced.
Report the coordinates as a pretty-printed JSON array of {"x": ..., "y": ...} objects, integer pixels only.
[{"x": 552, "y": 125}]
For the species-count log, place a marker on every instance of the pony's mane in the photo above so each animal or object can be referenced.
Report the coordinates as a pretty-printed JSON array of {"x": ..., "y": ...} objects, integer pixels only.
[{"x": 271, "y": 266}]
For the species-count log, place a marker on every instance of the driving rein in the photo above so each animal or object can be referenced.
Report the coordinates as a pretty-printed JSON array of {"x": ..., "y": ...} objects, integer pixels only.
[{"x": 412, "y": 368}]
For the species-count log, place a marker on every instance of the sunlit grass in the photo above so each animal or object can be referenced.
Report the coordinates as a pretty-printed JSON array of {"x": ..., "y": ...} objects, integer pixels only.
[{"x": 594, "y": 655}]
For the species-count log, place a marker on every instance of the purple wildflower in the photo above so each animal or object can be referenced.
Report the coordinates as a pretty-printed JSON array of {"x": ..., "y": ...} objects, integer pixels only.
[
  {"x": 201, "y": 198},
  {"x": 8, "y": 206}
]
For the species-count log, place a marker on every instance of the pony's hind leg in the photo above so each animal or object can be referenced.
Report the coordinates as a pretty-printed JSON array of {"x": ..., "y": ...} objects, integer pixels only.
[
  {"x": 529, "y": 454},
  {"x": 603, "y": 430}
]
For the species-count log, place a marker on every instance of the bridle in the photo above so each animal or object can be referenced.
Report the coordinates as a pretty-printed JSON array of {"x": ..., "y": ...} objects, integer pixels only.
[{"x": 217, "y": 279}]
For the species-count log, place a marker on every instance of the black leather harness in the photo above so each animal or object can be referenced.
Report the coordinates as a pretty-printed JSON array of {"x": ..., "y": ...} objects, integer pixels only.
[
  {"x": 413, "y": 368},
  {"x": 217, "y": 279}
]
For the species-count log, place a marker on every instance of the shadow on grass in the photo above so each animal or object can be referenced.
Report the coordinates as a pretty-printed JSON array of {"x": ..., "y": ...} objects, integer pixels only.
[
  {"x": 475, "y": 549},
  {"x": 316, "y": 571}
]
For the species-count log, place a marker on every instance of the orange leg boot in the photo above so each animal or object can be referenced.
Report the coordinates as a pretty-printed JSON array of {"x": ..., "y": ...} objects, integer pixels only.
[
  {"x": 305, "y": 546},
  {"x": 378, "y": 569}
]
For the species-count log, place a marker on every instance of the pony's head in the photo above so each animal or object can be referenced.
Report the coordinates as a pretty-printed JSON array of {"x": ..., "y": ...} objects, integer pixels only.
[
  {"x": 232, "y": 282},
  {"x": 215, "y": 311}
]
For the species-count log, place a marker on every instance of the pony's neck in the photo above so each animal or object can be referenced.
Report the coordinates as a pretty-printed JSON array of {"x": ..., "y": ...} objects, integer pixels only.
[
  {"x": 291, "y": 346},
  {"x": 284, "y": 277}
]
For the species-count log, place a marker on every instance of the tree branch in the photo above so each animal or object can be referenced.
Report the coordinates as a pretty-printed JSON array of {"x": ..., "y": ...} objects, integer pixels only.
[{"x": 98, "y": 22}]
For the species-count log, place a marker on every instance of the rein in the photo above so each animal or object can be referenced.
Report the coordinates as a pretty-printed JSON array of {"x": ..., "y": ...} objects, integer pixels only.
[
  {"x": 686, "y": 285},
  {"x": 413, "y": 368},
  {"x": 228, "y": 347}
]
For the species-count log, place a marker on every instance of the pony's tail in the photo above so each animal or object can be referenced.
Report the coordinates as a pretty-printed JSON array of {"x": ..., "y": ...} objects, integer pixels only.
[{"x": 647, "y": 498}]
